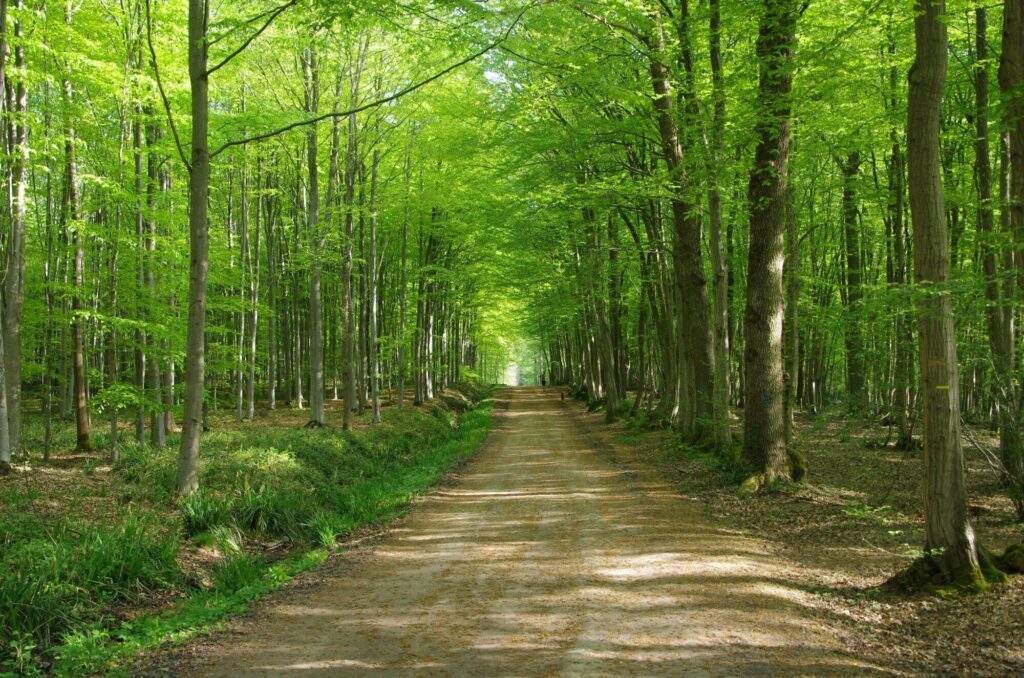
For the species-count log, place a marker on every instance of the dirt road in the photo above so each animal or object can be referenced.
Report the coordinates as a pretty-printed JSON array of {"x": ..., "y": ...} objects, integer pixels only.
[{"x": 544, "y": 558}]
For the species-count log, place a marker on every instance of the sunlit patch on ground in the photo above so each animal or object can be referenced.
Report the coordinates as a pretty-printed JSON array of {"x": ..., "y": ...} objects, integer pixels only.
[{"x": 544, "y": 558}]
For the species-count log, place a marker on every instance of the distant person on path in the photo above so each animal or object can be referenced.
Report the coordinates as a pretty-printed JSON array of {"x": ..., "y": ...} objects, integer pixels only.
[{"x": 543, "y": 382}]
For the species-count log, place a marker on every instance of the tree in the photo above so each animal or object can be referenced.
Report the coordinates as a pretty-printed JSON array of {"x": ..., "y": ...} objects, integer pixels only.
[
  {"x": 764, "y": 439},
  {"x": 950, "y": 538}
]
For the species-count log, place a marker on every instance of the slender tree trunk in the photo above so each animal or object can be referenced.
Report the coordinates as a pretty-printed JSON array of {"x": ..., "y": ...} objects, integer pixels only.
[
  {"x": 317, "y": 393},
  {"x": 947, "y": 526},
  {"x": 374, "y": 362},
  {"x": 348, "y": 316},
  {"x": 73, "y": 222},
  {"x": 272, "y": 302},
  {"x": 199, "y": 189},
  {"x": 404, "y": 283},
  {"x": 158, "y": 424},
  {"x": 252, "y": 266},
  {"x": 140, "y": 282},
  {"x": 719, "y": 266}
]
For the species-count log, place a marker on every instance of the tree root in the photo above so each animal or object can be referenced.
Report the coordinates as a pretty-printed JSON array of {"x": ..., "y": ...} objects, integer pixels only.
[
  {"x": 1012, "y": 560},
  {"x": 313, "y": 424},
  {"x": 795, "y": 472},
  {"x": 932, "y": 574}
]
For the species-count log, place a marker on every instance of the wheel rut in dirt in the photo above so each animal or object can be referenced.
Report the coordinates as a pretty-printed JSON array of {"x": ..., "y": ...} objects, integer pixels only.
[{"x": 545, "y": 558}]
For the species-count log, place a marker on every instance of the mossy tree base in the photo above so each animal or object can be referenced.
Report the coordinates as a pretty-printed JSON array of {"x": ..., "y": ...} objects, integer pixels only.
[
  {"x": 933, "y": 574},
  {"x": 794, "y": 472}
]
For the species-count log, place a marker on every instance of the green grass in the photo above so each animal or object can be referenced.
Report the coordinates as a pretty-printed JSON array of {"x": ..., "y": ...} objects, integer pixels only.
[
  {"x": 303, "y": 487},
  {"x": 52, "y": 584}
]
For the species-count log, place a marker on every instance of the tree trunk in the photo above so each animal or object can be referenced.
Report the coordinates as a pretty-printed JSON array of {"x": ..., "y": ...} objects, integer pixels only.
[
  {"x": 373, "y": 358},
  {"x": 1011, "y": 83},
  {"x": 948, "y": 529},
  {"x": 855, "y": 387},
  {"x": 158, "y": 424},
  {"x": 317, "y": 393},
  {"x": 199, "y": 245},
  {"x": 764, "y": 435},
  {"x": 719, "y": 266},
  {"x": 73, "y": 222},
  {"x": 14, "y": 279},
  {"x": 696, "y": 339}
]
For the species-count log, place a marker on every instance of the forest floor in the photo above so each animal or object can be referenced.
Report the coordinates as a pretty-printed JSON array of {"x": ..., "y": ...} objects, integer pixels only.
[
  {"x": 559, "y": 549},
  {"x": 855, "y": 523}
]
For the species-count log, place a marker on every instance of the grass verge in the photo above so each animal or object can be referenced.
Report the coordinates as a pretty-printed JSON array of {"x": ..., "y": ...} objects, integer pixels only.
[{"x": 134, "y": 569}]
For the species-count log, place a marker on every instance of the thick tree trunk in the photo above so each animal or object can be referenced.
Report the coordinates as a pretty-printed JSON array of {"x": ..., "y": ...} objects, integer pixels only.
[
  {"x": 14, "y": 279},
  {"x": 695, "y": 325},
  {"x": 764, "y": 435},
  {"x": 199, "y": 245},
  {"x": 1011, "y": 83},
  {"x": 719, "y": 266},
  {"x": 948, "y": 528},
  {"x": 855, "y": 385},
  {"x": 791, "y": 326}
]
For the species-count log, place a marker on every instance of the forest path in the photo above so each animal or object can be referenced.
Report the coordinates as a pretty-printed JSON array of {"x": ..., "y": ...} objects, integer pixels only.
[{"x": 544, "y": 558}]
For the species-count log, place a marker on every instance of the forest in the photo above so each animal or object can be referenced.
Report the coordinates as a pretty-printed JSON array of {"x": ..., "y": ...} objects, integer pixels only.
[{"x": 273, "y": 269}]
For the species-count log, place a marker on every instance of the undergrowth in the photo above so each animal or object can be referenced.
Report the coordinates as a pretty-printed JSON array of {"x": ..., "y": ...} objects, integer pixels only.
[{"x": 59, "y": 576}]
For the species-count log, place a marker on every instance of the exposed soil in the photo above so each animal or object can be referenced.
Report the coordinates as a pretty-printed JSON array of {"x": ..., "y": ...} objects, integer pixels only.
[
  {"x": 851, "y": 527},
  {"x": 555, "y": 552}
]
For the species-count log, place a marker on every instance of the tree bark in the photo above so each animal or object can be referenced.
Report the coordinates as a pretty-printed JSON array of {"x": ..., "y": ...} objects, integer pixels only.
[
  {"x": 317, "y": 393},
  {"x": 764, "y": 441},
  {"x": 199, "y": 246},
  {"x": 696, "y": 339},
  {"x": 73, "y": 222},
  {"x": 1011, "y": 84},
  {"x": 855, "y": 386},
  {"x": 949, "y": 534},
  {"x": 14, "y": 279},
  {"x": 373, "y": 358}
]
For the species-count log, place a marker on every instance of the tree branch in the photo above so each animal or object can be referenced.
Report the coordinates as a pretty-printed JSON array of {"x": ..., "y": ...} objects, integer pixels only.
[
  {"x": 160, "y": 87},
  {"x": 248, "y": 41},
  {"x": 379, "y": 102}
]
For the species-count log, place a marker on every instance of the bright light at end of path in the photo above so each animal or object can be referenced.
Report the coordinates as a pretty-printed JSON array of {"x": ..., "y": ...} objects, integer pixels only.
[{"x": 512, "y": 375}]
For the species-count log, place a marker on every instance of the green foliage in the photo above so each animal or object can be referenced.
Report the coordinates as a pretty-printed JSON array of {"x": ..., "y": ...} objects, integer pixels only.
[
  {"x": 238, "y": 571},
  {"x": 64, "y": 577},
  {"x": 202, "y": 511}
]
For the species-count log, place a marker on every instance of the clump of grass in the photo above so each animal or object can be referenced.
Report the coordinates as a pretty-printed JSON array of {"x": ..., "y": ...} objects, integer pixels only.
[
  {"x": 65, "y": 577},
  {"x": 237, "y": 572},
  {"x": 202, "y": 511}
]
